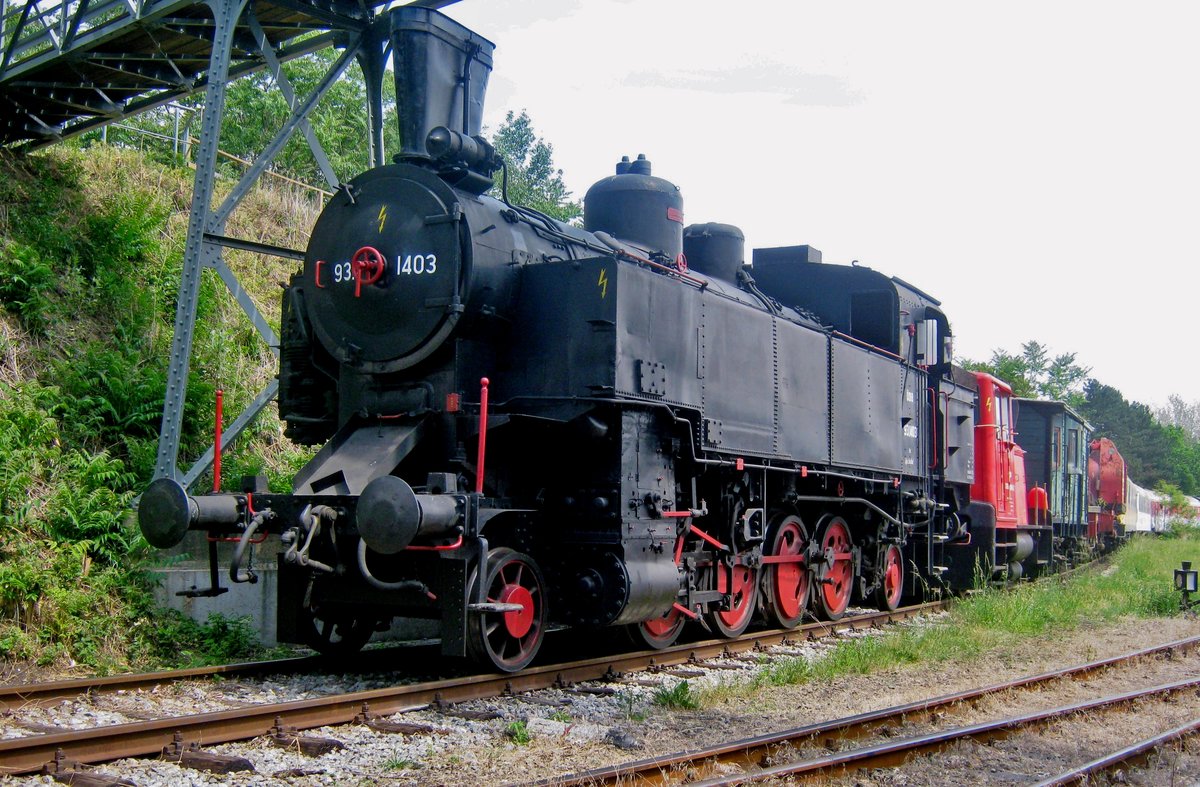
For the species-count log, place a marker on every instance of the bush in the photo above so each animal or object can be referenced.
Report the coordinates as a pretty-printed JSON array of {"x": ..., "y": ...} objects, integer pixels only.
[
  {"x": 89, "y": 514},
  {"x": 25, "y": 280},
  {"x": 91, "y": 249}
]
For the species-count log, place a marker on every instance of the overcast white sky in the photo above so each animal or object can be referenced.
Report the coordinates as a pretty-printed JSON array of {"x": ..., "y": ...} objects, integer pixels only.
[{"x": 1034, "y": 165}]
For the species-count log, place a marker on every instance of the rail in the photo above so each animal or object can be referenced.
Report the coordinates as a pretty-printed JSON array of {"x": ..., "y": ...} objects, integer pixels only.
[
  {"x": 30, "y": 753},
  {"x": 745, "y": 755}
]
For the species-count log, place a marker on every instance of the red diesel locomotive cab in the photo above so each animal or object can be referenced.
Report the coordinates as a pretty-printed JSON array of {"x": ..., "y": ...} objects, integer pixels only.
[
  {"x": 1107, "y": 484},
  {"x": 999, "y": 461},
  {"x": 1009, "y": 533}
]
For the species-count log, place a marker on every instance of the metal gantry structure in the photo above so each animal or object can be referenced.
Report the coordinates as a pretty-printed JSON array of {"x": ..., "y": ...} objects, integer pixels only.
[{"x": 70, "y": 66}]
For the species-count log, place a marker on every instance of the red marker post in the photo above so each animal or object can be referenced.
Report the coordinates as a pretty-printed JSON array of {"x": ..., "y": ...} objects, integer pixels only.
[
  {"x": 483, "y": 408},
  {"x": 217, "y": 444}
]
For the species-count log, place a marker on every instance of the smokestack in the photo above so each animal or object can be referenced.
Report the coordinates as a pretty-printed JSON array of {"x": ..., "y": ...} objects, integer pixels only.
[{"x": 433, "y": 57}]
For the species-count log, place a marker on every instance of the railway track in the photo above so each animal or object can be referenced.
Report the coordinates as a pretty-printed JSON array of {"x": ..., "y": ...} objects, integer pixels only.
[
  {"x": 766, "y": 757},
  {"x": 1130, "y": 755},
  {"x": 16, "y": 696},
  {"x": 286, "y": 720}
]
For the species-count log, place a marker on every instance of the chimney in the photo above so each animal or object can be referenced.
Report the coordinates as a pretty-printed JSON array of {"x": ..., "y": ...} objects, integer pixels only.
[{"x": 433, "y": 57}]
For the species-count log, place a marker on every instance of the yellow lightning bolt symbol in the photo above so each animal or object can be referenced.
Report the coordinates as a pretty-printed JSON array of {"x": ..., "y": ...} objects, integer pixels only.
[
  {"x": 603, "y": 283},
  {"x": 382, "y": 217}
]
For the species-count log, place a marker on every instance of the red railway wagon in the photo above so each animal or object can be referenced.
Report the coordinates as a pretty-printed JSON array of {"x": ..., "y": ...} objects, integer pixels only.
[{"x": 1107, "y": 486}]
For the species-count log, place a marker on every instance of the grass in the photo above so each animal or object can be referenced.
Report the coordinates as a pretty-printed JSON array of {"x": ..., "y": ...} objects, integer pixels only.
[
  {"x": 629, "y": 709},
  {"x": 679, "y": 697},
  {"x": 399, "y": 763},
  {"x": 1137, "y": 583},
  {"x": 518, "y": 733}
]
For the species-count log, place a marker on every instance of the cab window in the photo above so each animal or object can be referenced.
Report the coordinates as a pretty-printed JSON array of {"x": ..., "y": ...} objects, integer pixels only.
[{"x": 1004, "y": 418}]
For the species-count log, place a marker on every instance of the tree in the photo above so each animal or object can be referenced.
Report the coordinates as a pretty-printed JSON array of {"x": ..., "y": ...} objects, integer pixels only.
[
  {"x": 1034, "y": 374},
  {"x": 1176, "y": 502},
  {"x": 1179, "y": 413},
  {"x": 1063, "y": 379},
  {"x": 255, "y": 110},
  {"x": 1153, "y": 453},
  {"x": 1012, "y": 369},
  {"x": 533, "y": 180}
]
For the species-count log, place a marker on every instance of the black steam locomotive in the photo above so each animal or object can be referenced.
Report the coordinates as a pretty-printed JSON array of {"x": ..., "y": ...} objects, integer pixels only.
[{"x": 526, "y": 423}]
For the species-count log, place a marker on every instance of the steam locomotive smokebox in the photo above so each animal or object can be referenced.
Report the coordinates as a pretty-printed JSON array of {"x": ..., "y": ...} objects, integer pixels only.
[
  {"x": 434, "y": 56},
  {"x": 637, "y": 207},
  {"x": 717, "y": 250}
]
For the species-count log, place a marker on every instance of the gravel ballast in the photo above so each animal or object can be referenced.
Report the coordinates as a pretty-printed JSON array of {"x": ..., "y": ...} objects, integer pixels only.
[{"x": 554, "y": 732}]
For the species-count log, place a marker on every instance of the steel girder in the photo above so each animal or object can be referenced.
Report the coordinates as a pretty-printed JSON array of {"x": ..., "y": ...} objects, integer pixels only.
[
  {"x": 206, "y": 227},
  {"x": 67, "y": 66}
]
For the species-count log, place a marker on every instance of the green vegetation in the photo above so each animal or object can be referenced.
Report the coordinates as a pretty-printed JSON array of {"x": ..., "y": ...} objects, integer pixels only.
[
  {"x": 399, "y": 763},
  {"x": 533, "y": 180},
  {"x": 255, "y": 111},
  {"x": 90, "y": 256},
  {"x": 1161, "y": 449},
  {"x": 1138, "y": 585},
  {"x": 679, "y": 697},
  {"x": 629, "y": 710},
  {"x": 1034, "y": 374},
  {"x": 518, "y": 733}
]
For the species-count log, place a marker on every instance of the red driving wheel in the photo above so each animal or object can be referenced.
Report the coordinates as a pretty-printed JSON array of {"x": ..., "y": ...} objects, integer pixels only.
[
  {"x": 661, "y": 632},
  {"x": 786, "y": 579},
  {"x": 836, "y": 573},
  {"x": 891, "y": 588},
  {"x": 741, "y": 584},
  {"x": 510, "y": 639}
]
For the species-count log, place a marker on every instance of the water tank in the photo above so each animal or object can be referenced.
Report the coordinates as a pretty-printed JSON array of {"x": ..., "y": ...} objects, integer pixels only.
[
  {"x": 636, "y": 207},
  {"x": 716, "y": 250}
]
